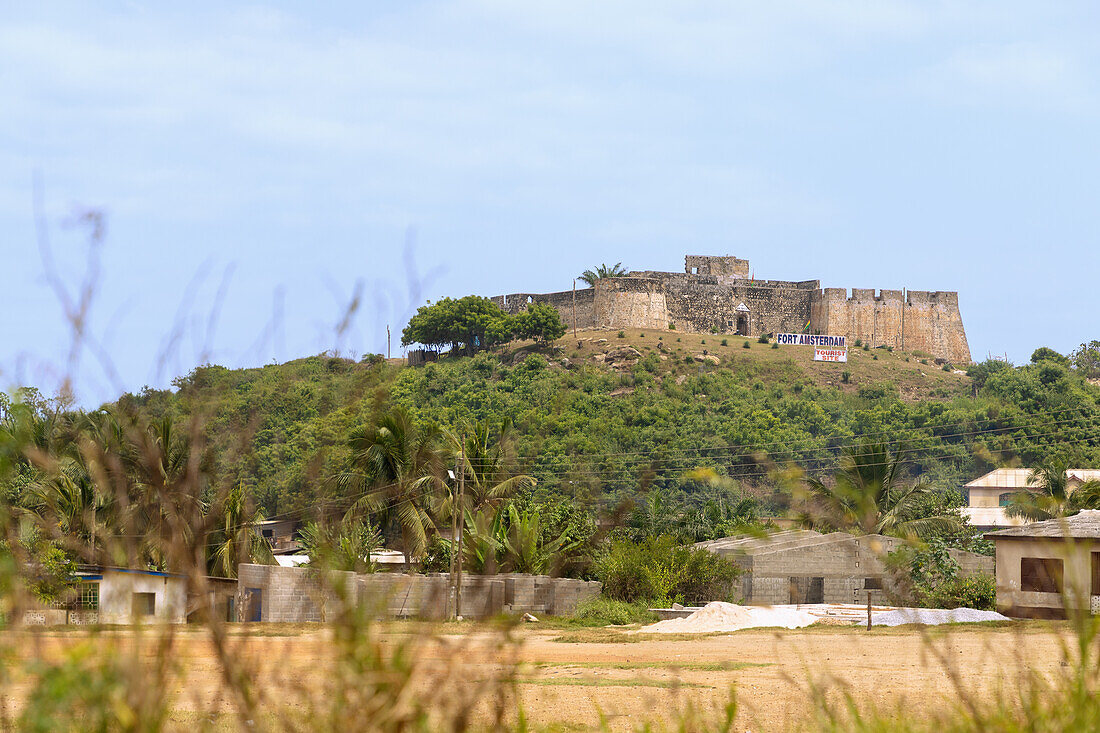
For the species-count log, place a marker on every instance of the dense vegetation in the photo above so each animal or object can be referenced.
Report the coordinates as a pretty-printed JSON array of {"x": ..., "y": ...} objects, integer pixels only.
[{"x": 601, "y": 435}]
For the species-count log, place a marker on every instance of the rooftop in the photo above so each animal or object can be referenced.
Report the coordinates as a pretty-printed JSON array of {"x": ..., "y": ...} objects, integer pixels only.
[
  {"x": 1085, "y": 525},
  {"x": 1016, "y": 478}
]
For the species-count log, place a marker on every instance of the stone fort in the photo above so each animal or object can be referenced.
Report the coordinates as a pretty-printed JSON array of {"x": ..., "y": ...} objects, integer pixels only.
[{"x": 718, "y": 295}]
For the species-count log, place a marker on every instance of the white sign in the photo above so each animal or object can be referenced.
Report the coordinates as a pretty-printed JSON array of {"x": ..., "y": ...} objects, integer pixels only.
[
  {"x": 830, "y": 354},
  {"x": 811, "y": 339}
]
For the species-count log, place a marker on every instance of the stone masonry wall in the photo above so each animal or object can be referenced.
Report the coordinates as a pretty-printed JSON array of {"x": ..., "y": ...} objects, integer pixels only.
[
  {"x": 923, "y": 321},
  {"x": 707, "y": 297}
]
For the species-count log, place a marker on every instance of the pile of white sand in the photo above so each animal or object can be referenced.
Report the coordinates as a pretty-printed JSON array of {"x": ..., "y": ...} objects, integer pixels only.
[
  {"x": 719, "y": 616},
  {"x": 933, "y": 616}
]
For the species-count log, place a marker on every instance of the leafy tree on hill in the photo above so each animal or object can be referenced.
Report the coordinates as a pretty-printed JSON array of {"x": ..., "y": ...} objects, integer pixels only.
[
  {"x": 602, "y": 273},
  {"x": 869, "y": 494},
  {"x": 472, "y": 323},
  {"x": 1044, "y": 353},
  {"x": 1086, "y": 360},
  {"x": 541, "y": 322}
]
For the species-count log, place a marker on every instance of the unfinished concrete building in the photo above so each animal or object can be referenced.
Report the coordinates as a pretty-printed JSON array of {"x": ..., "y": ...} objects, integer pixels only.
[{"x": 803, "y": 566}]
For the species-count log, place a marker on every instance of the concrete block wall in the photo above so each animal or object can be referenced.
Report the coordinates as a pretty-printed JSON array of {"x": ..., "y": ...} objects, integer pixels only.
[
  {"x": 292, "y": 595},
  {"x": 298, "y": 594}
]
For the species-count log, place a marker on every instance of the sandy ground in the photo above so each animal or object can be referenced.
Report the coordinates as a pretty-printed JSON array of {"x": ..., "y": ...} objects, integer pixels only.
[{"x": 626, "y": 680}]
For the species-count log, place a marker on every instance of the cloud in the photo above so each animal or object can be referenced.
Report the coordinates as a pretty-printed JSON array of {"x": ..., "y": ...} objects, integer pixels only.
[{"x": 1013, "y": 74}]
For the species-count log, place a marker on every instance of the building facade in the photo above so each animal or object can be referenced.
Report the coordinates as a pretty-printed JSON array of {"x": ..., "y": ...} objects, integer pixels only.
[
  {"x": 988, "y": 496},
  {"x": 1047, "y": 569}
]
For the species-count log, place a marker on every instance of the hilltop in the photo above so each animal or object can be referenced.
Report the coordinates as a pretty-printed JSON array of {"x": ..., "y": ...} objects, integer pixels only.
[{"x": 598, "y": 416}]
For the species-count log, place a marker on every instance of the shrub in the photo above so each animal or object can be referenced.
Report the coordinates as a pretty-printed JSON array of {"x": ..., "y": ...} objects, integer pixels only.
[
  {"x": 725, "y": 342},
  {"x": 641, "y": 335},
  {"x": 622, "y": 334},
  {"x": 660, "y": 570},
  {"x": 671, "y": 326},
  {"x": 867, "y": 347},
  {"x": 923, "y": 361},
  {"x": 677, "y": 339},
  {"x": 859, "y": 342},
  {"x": 703, "y": 341},
  {"x": 947, "y": 367},
  {"x": 762, "y": 338},
  {"x": 602, "y": 611},
  {"x": 874, "y": 357},
  {"x": 775, "y": 346},
  {"x": 746, "y": 345},
  {"x": 846, "y": 377}
]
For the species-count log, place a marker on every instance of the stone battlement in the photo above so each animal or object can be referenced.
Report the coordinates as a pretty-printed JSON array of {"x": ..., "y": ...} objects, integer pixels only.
[{"x": 718, "y": 294}]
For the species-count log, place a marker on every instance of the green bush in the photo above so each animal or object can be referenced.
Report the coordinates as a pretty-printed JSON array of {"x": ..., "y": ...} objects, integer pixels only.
[
  {"x": 641, "y": 335},
  {"x": 603, "y": 611},
  {"x": 622, "y": 334},
  {"x": 846, "y": 377},
  {"x": 725, "y": 342},
  {"x": 762, "y": 338},
  {"x": 859, "y": 342},
  {"x": 671, "y": 326},
  {"x": 660, "y": 570},
  {"x": 746, "y": 345},
  {"x": 775, "y": 346}
]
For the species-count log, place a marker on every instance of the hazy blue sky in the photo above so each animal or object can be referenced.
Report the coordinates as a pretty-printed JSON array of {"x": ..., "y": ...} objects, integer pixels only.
[{"x": 280, "y": 154}]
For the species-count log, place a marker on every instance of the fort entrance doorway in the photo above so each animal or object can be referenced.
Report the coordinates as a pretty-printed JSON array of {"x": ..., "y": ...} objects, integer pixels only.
[{"x": 742, "y": 325}]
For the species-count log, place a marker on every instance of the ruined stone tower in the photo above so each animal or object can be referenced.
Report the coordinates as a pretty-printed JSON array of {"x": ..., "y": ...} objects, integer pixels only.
[{"x": 718, "y": 294}]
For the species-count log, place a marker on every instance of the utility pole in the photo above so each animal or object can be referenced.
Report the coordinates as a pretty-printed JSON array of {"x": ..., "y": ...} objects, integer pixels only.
[
  {"x": 574, "y": 307},
  {"x": 387, "y": 341},
  {"x": 458, "y": 551},
  {"x": 454, "y": 532}
]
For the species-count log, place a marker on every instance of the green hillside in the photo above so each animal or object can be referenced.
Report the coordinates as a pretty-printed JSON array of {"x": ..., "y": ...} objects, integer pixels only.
[{"x": 599, "y": 415}]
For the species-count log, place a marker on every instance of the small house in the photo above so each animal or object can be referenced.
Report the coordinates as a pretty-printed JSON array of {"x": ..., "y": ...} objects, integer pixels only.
[
  {"x": 988, "y": 496},
  {"x": 1046, "y": 568}
]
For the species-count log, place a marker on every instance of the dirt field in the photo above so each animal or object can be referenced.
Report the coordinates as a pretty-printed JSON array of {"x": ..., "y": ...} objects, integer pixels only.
[{"x": 569, "y": 678}]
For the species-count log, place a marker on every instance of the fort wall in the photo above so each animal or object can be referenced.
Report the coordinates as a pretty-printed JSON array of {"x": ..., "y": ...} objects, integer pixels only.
[
  {"x": 715, "y": 294},
  {"x": 914, "y": 321}
]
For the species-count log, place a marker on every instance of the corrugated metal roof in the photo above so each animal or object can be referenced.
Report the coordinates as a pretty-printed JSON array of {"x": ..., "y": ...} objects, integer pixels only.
[{"x": 1085, "y": 525}]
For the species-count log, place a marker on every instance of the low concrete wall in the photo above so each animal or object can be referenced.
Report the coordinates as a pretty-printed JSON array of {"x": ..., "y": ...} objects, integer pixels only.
[{"x": 276, "y": 594}]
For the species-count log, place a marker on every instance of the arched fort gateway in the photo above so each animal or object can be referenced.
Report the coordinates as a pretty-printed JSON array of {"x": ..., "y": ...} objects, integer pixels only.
[{"x": 718, "y": 294}]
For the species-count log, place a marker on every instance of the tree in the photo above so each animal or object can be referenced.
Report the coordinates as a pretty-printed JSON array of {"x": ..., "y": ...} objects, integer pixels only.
[
  {"x": 1086, "y": 360},
  {"x": 488, "y": 465},
  {"x": 471, "y": 323},
  {"x": 868, "y": 494},
  {"x": 237, "y": 540},
  {"x": 1044, "y": 353},
  {"x": 398, "y": 466},
  {"x": 541, "y": 322},
  {"x": 345, "y": 546},
  {"x": 1053, "y": 496},
  {"x": 525, "y": 549},
  {"x": 602, "y": 272}
]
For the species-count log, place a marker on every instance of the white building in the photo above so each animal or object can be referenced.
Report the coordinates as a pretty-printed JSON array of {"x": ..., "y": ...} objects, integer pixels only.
[
  {"x": 991, "y": 493},
  {"x": 121, "y": 596}
]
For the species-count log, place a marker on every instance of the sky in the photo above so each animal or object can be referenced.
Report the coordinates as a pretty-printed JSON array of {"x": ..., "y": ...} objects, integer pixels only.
[{"x": 242, "y": 183}]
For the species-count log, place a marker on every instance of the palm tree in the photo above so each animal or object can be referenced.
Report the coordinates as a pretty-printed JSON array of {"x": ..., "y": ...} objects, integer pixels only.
[
  {"x": 602, "y": 272},
  {"x": 488, "y": 464},
  {"x": 868, "y": 494},
  {"x": 1052, "y": 497},
  {"x": 525, "y": 550},
  {"x": 237, "y": 540},
  {"x": 398, "y": 466}
]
